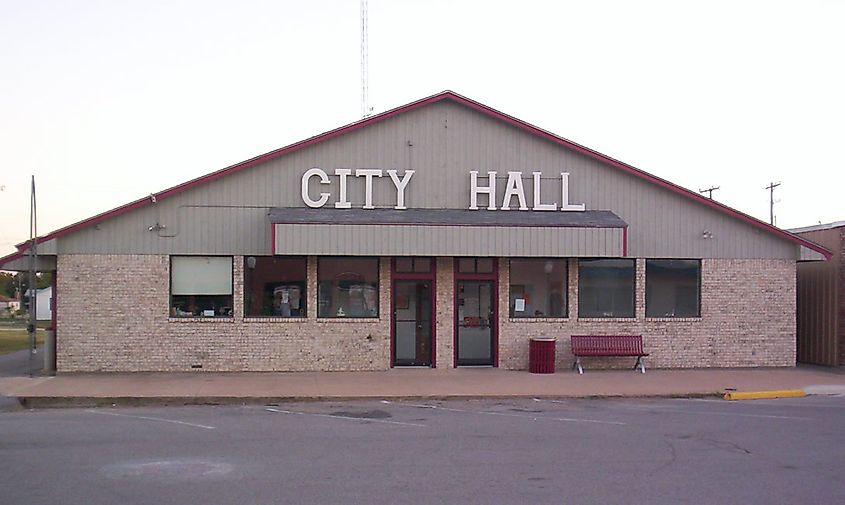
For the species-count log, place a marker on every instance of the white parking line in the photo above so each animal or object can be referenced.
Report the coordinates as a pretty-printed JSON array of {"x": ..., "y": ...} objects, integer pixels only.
[
  {"x": 348, "y": 418},
  {"x": 727, "y": 414},
  {"x": 147, "y": 418},
  {"x": 505, "y": 414}
]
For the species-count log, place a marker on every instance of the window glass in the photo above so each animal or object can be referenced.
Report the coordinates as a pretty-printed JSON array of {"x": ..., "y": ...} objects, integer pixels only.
[
  {"x": 484, "y": 265},
  {"x": 466, "y": 265},
  {"x": 422, "y": 265},
  {"x": 347, "y": 287},
  {"x": 404, "y": 265},
  {"x": 538, "y": 288},
  {"x": 606, "y": 287},
  {"x": 672, "y": 288},
  {"x": 413, "y": 265},
  {"x": 475, "y": 265},
  {"x": 275, "y": 286},
  {"x": 201, "y": 286}
]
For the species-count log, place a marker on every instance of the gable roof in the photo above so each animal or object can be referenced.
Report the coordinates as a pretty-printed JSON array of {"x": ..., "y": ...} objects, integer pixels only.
[{"x": 443, "y": 96}]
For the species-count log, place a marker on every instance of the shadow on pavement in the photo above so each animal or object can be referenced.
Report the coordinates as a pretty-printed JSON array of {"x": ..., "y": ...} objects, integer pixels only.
[{"x": 16, "y": 364}]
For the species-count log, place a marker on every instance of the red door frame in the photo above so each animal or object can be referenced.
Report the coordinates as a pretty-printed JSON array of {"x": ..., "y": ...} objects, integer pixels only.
[
  {"x": 431, "y": 277},
  {"x": 494, "y": 277}
]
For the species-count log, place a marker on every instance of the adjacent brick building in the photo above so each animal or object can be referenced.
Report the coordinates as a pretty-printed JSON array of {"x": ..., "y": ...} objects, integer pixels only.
[{"x": 442, "y": 233}]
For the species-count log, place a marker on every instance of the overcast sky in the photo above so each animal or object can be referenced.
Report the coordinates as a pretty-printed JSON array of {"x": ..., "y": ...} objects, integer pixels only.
[{"x": 108, "y": 101}]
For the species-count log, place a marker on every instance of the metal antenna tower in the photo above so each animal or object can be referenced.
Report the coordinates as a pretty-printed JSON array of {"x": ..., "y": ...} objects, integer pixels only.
[
  {"x": 709, "y": 191},
  {"x": 365, "y": 106},
  {"x": 771, "y": 187}
]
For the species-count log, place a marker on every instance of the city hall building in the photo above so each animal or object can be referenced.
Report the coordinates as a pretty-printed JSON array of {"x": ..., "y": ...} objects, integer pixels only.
[{"x": 442, "y": 233}]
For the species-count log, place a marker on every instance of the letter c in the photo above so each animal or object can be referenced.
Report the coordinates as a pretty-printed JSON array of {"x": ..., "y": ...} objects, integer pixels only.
[{"x": 324, "y": 179}]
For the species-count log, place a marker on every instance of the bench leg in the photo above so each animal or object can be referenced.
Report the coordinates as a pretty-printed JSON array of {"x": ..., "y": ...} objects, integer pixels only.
[
  {"x": 640, "y": 364},
  {"x": 577, "y": 365}
]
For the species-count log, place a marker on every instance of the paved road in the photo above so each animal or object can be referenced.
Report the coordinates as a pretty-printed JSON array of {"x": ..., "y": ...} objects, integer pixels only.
[
  {"x": 493, "y": 452},
  {"x": 16, "y": 363}
]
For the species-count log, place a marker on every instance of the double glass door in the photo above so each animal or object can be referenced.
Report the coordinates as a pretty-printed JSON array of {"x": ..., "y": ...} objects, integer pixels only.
[{"x": 412, "y": 322}]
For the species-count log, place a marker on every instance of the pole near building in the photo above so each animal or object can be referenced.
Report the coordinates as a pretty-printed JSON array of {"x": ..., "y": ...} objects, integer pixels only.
[
  {"x": 709, "y": 191},
  {"x": 771, "y": 187},
  {"x": 33, "y": 265}
]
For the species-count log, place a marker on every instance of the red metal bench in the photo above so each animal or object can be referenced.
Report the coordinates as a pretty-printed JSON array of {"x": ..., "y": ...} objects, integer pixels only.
[{"x": 608, "y": 345}]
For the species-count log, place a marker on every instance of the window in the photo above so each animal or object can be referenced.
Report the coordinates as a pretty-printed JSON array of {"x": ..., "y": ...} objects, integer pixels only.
[
  {"x": 201, "y": 286},
  {"x": 672, "y": 288},
  {"x": 606, "y": 287},
  {"x": 475, "y": 265},
  {"x": 347, "y": 287},
  {"x": 274, "y": 286},
  {"x": 538, "y": 288},
  {"x": 413, "y": 265}
]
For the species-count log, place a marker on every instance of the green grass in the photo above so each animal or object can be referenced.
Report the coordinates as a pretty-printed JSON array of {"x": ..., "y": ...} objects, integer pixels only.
[{"x": 17, "y": 339}]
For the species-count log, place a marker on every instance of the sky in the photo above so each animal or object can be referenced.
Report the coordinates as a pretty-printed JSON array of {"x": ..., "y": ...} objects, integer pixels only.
[{"x": 105, "y": 102}]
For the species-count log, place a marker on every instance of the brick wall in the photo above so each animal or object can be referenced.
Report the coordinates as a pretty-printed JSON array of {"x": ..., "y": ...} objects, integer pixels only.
[
  {"x": 747, "y": 319},
  {"x": 113, "y": 316}
]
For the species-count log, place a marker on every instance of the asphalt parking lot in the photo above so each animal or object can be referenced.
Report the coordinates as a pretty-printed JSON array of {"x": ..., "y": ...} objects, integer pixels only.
[{"x": 471, "y": 451}]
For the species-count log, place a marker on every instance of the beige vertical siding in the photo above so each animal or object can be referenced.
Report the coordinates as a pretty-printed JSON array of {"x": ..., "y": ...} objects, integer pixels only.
[
  {"x": 446, "y": 240},
  {"x": 442, "y": 142}
]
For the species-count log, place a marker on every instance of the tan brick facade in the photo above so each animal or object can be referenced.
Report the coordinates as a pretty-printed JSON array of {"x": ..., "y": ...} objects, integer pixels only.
[
  {"x": 747, "y": 319},
  {"x": 113, "y": 316}
]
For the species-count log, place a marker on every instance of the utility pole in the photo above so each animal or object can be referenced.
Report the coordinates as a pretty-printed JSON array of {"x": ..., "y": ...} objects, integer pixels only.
[
  {"x": 33, "y": 265},
  {"x": 709, "y": 191},
  {"x": 771, "y": 187}
]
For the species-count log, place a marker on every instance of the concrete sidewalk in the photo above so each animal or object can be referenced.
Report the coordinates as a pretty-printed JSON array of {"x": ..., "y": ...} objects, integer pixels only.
[{"x": 206, "y": 387}]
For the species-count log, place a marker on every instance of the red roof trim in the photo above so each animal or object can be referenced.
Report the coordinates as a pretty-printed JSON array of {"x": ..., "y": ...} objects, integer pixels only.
[{"x": 445, "y": 95}]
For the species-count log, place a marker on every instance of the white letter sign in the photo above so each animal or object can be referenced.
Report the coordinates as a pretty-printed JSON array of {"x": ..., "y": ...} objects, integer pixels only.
[
  {"x": 537, "y": 204},
  {"x": 400, "y": 184},
  {"x": 514, "y": 188},
  {"x": 324, "y": 179},
  {"x": 368, "y": 174},
  {"x": 564, "y": 195},
  {"x": 475, "y": 190},
  {"x": 342, "y": 202}
]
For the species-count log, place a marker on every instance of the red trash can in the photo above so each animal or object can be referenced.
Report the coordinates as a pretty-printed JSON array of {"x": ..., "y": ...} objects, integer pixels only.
[{"x": 541, "y": 355}]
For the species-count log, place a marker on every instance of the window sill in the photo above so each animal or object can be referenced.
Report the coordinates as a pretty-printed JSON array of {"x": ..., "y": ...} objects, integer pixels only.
[
  {"x": 274, "y": 319},
  {"x": 674, "y": 319},
  {"x": 538, "y": 320},
  {"x": 348, "y": 319},
  {"x": 220, "y": 319},
  {"x": 607, "y": 319}
]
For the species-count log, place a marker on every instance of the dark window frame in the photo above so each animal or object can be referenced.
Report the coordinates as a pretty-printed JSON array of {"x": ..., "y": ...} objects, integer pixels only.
[
  {"x": 475, "y": 260},
  {"x": 633, "y": 279},
  {"x": 378, "y": 307},
  {"x": 303, "y": 285},
  {"x": 172, "y": 308},
  {"x": 697, "y": 314},
  {"x": 565, "y": 289}
]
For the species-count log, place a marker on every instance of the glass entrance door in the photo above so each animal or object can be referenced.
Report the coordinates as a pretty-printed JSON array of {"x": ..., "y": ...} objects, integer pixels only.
[
  {"x": 475, "y": 323},
  {"x": 412, "y": 322}
]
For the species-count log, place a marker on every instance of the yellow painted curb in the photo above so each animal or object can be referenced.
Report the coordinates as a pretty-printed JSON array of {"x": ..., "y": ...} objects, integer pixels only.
[{"x": 759, "y": 395}]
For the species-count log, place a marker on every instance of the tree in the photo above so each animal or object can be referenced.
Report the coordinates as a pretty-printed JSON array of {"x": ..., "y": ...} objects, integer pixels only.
[
  {"x": 11, "y": 283},
  {"x": 7, "y": 284}
]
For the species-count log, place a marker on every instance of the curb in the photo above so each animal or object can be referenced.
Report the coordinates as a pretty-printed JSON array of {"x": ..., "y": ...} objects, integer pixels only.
[
  {"x": 40, "y": 402},
  {"x": 760, "y": 395}
]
